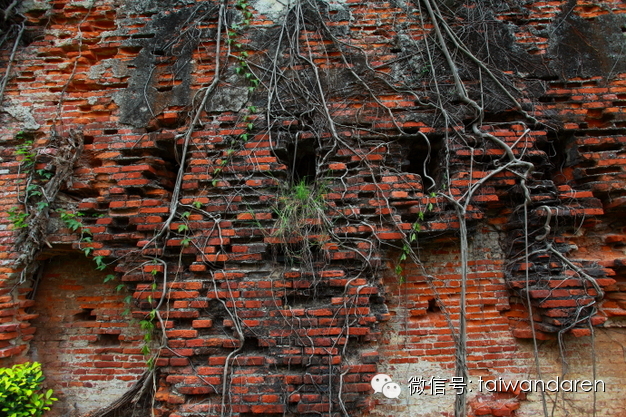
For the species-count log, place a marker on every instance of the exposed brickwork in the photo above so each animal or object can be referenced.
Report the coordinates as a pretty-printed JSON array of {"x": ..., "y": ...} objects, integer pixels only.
[
  {"x": 83, "y": 341},
  {"x": 295, "y": 318}
]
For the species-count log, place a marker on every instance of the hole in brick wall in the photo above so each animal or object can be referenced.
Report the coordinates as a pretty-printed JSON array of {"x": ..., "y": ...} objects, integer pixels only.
[
  {"x": 300, "y": 160},
  {"x": 417, "y": 158},
  {"x": 603, "y": 146},
  {"x": 560, "y": 153},
  {"x": 143, "y": 36},
  {"x": 250, "y": 343},
  {"x": 433, "y": 306},
  {"x": 107, "y": 340},
  {"x": 186, "y": 260},
  {"x": 136, "y": 191},
  {"x": 505, "y": 116},
  {"x": 121, "y": 224},
  {"x": 85, "y": 315},
  {"x": 213, "y": 265},
  {"x": 292, "y": 255},
  {"x": 298, "y": 298},
  {"x": 292, "y": 364}
]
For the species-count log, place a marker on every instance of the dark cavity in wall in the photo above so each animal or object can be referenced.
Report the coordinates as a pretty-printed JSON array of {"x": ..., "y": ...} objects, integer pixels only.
[
  {"x": 422, "y": 156},
  {"x": 299, "y": 155},
  {"x": 561, "y": 153}
]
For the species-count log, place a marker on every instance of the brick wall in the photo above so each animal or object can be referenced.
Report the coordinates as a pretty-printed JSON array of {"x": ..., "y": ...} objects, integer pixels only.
[
  {"x": 83, "y": 340},
  {"x": 278, "y": 272}
]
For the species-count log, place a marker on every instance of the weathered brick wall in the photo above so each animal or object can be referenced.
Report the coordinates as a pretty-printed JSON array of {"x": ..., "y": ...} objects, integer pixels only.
[
  {"x": 273, "y": 261},
  {"x": 83, "y": 340}
]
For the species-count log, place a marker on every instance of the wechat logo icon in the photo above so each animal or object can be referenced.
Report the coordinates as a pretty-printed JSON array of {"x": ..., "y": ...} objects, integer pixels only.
[{"x": 383, "y": 383}]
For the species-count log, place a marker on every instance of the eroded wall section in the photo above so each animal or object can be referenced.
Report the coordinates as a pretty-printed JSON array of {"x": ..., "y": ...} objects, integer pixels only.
[{"x": 88, "y": 347}]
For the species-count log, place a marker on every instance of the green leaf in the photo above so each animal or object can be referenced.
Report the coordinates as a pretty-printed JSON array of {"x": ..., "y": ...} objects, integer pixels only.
[
  {"x": 146, "y": 325},
  {"x": 197, "y": 204},
  {"x": 21, "y": 393},
  {"x": 182, "y": 228},
  {"x": 100, "y": 265},
  {"x": 108, "y": 278}
]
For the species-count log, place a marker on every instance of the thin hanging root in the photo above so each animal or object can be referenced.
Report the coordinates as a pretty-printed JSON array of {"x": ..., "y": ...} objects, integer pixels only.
[
  {"x": 7, "y": 71},
  {"x": 34, "y": 237},
  {"x": 208, "y": 91},
  {"x": 139, "y": 389},
  {"x": 462, "y": 203}
]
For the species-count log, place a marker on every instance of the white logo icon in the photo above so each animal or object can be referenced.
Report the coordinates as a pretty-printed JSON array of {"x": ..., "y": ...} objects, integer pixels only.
[
  {"x": 391, "y": 390},
  {"x": 383, "y": 383}
]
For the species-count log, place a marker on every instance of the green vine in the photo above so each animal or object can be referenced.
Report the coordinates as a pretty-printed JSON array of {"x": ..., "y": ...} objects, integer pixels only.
[
  {"x": 242, "y": 69},
  {"x": 412, "y": 237},
  {"x": 25, "y": 150}
]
